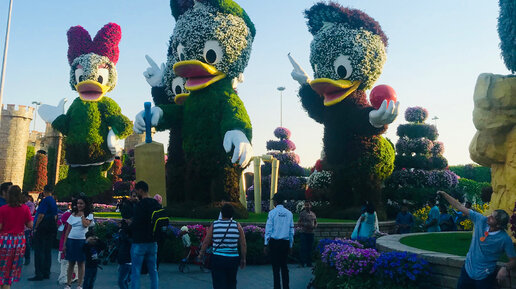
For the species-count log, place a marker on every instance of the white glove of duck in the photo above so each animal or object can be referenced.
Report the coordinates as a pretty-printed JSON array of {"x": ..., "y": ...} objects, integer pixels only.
[
  {"x": 49, "y": 113},
  {"x": 139, "y": 120},
  {"x": 154, "y": 74},
  {"x": 243, "y": 149},
  {"x": 298, "y": 74},
  {"x": 113, "y": 143},
  {"x": 386, "y": 114}
]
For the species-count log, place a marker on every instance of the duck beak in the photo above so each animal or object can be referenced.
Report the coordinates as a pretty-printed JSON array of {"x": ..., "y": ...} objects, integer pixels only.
[
  {"x": 180, "y": 99},
  {"x": 333, "y": 91},
  {"x": 198, "y": 74},
  {"x": 91, "y": 90}
]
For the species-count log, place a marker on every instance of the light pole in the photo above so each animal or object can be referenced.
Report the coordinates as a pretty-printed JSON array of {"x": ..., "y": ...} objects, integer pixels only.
[
  {"x": 2, "y": 77},
  {"x": 36, "y": 103},
  {"x": 435, "y": 118},
  {"x": 281, "y": 88}
]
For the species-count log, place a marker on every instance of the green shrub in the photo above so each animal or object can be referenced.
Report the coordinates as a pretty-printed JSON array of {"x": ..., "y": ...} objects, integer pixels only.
[{"x": 28, "y": 176}]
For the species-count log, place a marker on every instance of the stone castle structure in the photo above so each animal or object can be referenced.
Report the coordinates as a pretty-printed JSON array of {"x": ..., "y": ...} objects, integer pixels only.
[{"x": 14, "y": 133}]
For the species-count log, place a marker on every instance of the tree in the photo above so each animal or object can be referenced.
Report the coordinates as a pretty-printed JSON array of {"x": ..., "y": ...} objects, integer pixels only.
[
  {"x": 40, "y": 170},
  {"x": 420, "y": 167},
  {"x": 291, "y": 181}
]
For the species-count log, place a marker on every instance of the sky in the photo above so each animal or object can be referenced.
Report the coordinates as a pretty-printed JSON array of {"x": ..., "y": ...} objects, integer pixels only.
[{"x": 436, "y": 51}]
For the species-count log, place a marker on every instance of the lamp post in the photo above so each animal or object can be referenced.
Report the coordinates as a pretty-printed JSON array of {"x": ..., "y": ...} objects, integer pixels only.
[
  {"x": 2, "y": 77},
  {"x": 435, "y": 118},
  {"x": 36, "y": 103},
  {"x": 281, "y": 88}
]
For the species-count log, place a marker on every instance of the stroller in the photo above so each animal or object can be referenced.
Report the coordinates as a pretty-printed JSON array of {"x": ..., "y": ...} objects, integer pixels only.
[
  {"x": 111, "y": 251},
  {"x": 192, "y": 253}
]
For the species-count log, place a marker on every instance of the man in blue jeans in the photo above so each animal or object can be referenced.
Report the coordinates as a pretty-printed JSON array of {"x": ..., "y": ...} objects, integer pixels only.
[
  {"x": 488, "y": 243},
  {"x": 144, "y": 247}
]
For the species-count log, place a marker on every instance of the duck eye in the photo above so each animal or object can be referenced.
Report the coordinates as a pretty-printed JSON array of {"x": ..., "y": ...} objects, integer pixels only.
[
  {"x": 212, "y": 52},
  {"x": 178, "y": 85},
  {"x": 79, "y": 75},
  {"x": 342, "y": 66},
  {"x": 103, "y": 75},
  {"x": 181, "y": 52}
]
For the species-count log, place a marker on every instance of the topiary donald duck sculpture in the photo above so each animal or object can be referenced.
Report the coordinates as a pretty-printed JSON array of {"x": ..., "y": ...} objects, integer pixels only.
[
  {"x": 210, "y": 48},
  {"x": 93, "y": 123},
  {"x": 347, "y": 55}
]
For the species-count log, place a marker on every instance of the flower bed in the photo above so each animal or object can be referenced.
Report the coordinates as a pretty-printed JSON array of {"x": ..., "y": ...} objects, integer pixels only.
[{"x": 347, "y": 264}]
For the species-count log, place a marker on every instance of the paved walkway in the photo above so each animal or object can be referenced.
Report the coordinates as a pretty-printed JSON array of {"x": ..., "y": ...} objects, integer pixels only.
[{"x": 170, "y": 277}]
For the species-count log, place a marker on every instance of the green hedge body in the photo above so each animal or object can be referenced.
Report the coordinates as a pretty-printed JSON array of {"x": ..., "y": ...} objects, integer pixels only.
[
  {"x": 473, "y": 172},
  {"x": 418, "y": 130},
  {"x": 28, "y": 176},
  {"x": 507, "y": 33}
]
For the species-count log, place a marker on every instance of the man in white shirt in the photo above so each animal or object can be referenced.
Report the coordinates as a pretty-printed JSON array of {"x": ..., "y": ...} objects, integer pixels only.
[{"x": 279, "y": 238}]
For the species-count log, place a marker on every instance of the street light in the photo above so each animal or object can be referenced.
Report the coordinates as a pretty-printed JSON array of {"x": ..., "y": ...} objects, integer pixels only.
[
  {"x": 435, "y": 118},
  {"x": 281, "y": 88},
  {"x": 2, "y": 74},
  {"x": 36, "y": 103}
]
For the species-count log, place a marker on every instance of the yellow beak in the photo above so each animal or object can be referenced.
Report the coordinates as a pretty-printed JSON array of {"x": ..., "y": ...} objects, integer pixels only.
[
  {"x": 198, "y": 74},
  {"x": 333, "y": 91},
  {"x": 90, "y": 90},
  {"x": 181, "y": 98}
]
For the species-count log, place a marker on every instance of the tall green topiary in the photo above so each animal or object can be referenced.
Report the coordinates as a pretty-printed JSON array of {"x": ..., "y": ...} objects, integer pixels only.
[
  {"x": 507, "y": 33},
  {"x": 292, "y": 177},
  {"x": 40, "y": 170},
  {"x": 420, "y": 167},
  {"x": 28, "y": 176}
]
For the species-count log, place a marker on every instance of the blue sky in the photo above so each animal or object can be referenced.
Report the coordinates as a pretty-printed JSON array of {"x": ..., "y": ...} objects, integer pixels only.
[{"x": 436, "y": 51}]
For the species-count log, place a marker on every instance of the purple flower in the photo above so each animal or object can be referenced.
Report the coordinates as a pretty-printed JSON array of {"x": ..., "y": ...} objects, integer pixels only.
[
  {"x": 416, "y": 114},
  {"x": 282, "y": 133}
]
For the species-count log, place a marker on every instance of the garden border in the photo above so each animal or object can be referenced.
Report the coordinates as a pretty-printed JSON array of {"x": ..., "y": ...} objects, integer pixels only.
[{"x": 446, "y": 268}]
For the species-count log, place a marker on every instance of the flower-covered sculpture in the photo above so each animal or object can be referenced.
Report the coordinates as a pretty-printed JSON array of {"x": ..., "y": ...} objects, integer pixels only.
[
  {"x": 93, "y": 123},
  {"x": 347, "y": 55},
  {"x": 210, "y": 48}
]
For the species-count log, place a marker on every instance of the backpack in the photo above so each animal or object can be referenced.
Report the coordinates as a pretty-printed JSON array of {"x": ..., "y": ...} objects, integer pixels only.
[{"x": 159, "y": 222}]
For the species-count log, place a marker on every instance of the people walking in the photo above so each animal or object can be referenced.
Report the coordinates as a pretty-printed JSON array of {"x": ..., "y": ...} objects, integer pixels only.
[
  {"x": 224, "y": 235},
  {"x": 75, "y": 236},
  {"x": 144, "y": 247},
  {"x": 92, "y": 249},
  {"x": 29, "y": 202},
  {"x": 446, "y": 220},
  {"x": 44, "y": 233},
  {"x": 4, "y": 187},
  {"x": 306, "y": 224},
  {"x": 369, "y": 222},
  {"x": 488, "y": 242},
  {"x": 432, "y": 221},
  {"x": 279, "y": 239},
  {"x": 14, "y": 217},
  {"x": 404, "y": 221}
]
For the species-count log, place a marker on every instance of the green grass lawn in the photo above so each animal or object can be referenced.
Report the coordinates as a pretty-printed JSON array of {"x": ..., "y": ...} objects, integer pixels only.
[
  {"x": 253, "y": 218},
  {"x": 450, "y": 243}
]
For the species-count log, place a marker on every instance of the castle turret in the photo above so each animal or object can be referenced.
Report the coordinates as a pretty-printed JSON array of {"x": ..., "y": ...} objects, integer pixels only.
[{"x": 14, "y": 134}]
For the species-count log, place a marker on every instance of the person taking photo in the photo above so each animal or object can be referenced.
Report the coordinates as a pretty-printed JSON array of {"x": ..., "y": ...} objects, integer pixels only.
[{"x": 488, "y": 243}]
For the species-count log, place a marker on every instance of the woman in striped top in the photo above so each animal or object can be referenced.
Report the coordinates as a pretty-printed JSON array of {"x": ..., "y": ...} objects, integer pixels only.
[{"x": 224, "y": 235}]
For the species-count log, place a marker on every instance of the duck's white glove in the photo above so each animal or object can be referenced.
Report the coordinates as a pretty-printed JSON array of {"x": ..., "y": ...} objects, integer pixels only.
[
  {"x": 298, "y": 74},
  {"x": 385, "y": 114},
  {"x": 139, "y": 121},
  {"x": 113, "y": 143},
  {"x": 154, "y": 74},
  {"x": 49, "y": 113},
  {"x": 243, "y": 149}
]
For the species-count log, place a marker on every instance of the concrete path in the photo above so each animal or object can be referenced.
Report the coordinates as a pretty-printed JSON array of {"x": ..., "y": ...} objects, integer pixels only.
[{"x": 170, "y": 277}]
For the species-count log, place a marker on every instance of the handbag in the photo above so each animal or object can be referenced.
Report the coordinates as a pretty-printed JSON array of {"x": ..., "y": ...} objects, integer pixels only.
[{"x": 207, "y": 257}]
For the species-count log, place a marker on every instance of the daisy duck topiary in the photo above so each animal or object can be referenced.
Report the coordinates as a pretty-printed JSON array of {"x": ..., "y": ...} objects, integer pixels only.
[
  {"x": 94, "y": 122},
  {"x": 347, "y": 55},
  {"x": 208, "y": 52}
]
